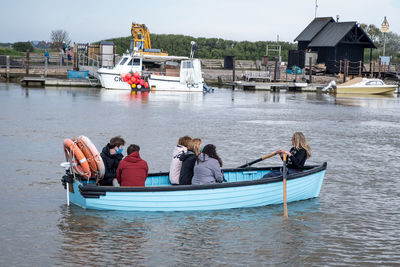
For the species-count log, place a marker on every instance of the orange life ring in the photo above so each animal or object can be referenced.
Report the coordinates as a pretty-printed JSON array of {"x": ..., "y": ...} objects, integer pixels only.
[
  {"x": 74, "y": 155},
  {"x": 92, "y": 155}
]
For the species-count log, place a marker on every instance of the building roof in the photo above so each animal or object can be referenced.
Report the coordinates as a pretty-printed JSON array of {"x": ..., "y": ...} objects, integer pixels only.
[
  {"x": 332, "y": 34},
  {"x": 314, "y": 28}
]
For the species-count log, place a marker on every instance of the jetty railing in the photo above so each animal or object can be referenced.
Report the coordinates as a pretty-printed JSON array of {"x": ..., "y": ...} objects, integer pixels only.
[
  {"x": 33, "y": 63},
  {"x": 359, "y": 68}
]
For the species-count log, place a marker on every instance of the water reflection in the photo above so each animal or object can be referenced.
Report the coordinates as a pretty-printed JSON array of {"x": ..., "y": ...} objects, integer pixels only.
[
  {"x": 182, "y": 238},
  {"x": 376, "y": 101}
]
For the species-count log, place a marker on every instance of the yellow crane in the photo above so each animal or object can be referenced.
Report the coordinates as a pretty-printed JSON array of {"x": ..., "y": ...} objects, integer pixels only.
[
  {"x": 141, "y": 36},
  {"x": 141, "y": 40}
]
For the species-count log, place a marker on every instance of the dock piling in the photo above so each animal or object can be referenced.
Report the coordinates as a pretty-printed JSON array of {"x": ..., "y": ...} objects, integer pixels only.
[
  {"x": 310, "y": 69},
  {"x": 45, "y": 67},
  {"x": 276, "y": 70},
  {"x": 8, "y": 67},
  {"x": 27, "y": 62}
]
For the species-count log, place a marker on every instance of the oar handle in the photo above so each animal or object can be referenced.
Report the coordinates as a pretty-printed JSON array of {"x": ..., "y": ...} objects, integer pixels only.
[
  {"x": 269, "y": 155},
  {"x": 257, "y": 160}
]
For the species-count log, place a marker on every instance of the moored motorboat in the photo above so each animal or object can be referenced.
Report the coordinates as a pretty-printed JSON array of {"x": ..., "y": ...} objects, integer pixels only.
[
  {"x": 365, "y": 86},
  {"x": 243, "y": 188},
  {"x": 163, "y": 73}
]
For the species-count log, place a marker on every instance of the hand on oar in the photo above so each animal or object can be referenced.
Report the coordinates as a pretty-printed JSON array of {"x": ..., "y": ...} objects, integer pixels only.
[{"x": 258, "y": 160}]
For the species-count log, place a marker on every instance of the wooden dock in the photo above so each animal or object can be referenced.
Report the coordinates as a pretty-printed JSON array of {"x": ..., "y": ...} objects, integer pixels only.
[
  {"x": 41, "y": 81},
  {"x": 270, "y": 86}
]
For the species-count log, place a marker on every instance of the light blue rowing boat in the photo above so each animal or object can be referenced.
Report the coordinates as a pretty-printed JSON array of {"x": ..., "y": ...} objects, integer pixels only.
[{"x": 243, "y": 189}]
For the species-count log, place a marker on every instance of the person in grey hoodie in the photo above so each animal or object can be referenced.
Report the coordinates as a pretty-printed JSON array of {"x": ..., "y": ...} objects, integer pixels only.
[{"x": 207, "y": 169}]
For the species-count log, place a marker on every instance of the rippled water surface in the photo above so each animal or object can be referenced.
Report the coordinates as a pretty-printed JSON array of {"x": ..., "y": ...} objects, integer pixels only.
[{"x": 355, "y": 221}]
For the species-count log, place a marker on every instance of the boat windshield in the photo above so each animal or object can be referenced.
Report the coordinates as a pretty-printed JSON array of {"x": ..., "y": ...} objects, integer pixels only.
[
  {"x": 134, "y": 62},
  {"x": 374, "y": 83},
  {"x": 123, "y": 61},
  {"x": 187, "y": 64}
]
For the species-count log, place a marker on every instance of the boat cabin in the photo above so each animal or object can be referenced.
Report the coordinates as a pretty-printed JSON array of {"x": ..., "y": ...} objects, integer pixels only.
[{"x": 127, "y": 63}]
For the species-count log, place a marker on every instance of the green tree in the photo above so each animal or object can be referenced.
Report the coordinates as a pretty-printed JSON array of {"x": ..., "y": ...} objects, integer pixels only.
[{"x": 23, "y": 46}]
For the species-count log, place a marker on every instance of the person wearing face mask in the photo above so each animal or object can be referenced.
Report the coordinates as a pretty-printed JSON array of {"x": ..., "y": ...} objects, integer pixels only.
[{"x": 111, "y": 155}]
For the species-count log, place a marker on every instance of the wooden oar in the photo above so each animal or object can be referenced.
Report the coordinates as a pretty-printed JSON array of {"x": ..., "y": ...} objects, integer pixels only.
[
  {"x": 284, "y": 174},
  {"x": 257, "y": 160}
]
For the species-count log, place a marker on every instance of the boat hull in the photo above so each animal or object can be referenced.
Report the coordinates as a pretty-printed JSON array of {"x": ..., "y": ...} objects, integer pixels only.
[
  {"x": 113, "y": 81},
  {"x": 244, "y": 189},
  {"x": 386, "y": 89},
  {"x": 159, "y": 83},
  {"x": 170, "y": 83}
]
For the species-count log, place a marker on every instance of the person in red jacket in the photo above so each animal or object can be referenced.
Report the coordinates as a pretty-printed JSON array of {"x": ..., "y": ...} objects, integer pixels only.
[{"x": 132, "y": 170}]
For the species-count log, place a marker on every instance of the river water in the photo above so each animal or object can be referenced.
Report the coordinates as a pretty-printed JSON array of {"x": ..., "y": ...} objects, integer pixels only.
[{"x": 355, "y": 221}]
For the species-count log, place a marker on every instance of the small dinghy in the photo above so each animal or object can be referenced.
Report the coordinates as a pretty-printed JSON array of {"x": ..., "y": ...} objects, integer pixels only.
[{"x": 243, "y": 188}]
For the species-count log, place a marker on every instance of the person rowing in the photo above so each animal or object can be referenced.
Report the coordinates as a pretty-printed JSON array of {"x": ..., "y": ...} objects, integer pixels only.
[{"x": 297, "y": 155}]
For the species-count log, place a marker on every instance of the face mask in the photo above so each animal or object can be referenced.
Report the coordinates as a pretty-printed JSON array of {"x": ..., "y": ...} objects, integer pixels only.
[{"x": 119, "y": 150}]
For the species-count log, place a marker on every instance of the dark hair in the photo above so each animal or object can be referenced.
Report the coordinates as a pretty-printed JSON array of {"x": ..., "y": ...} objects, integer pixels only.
[
  {"x": 211, "y": 151},
  {"x": 184, "y": 140},
  {"x": 116, "y": 141},
  {"x": 133, "y": 148}
]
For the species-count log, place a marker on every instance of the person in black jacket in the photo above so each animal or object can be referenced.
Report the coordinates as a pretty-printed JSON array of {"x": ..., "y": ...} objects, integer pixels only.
[
  {"x": 188, "y": 160},
  {"x": 296, "y": 157},
  {"x": 111, "y": 155}
]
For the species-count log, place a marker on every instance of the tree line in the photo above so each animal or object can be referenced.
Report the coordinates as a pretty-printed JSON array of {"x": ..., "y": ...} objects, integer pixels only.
[
  {"x": 213, "y": 48},
  {"x": 392, "y": 46}
]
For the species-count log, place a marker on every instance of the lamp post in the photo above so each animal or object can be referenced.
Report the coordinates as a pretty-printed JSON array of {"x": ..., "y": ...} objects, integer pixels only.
[{"x": 384, "y": 29}]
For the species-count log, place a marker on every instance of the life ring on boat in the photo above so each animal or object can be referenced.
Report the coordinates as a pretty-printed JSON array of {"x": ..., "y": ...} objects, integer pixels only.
[
  {"x": 74, "y": 155},
  {"x": 92, "y": 155}
]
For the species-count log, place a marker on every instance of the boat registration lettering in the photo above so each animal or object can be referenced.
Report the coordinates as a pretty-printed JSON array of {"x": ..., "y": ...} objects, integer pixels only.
[{"x": 117, "y": 79}]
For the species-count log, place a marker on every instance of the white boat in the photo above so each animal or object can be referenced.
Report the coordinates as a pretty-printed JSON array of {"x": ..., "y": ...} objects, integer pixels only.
[
  {"x": 365, "y": 86},
  {"x": 163, "y": 73}
]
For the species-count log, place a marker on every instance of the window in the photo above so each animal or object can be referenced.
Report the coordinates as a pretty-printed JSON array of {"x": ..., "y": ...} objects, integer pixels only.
[
  {"x": 374, "y": 83},
  {"x": 187, "y": 64},
  {"x": 123, "y": 61},
  {"x": 134, "y": 62}
]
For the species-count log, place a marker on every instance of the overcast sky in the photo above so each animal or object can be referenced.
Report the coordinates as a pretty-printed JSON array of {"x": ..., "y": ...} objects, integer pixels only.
[{"x": 253, "y": 20}]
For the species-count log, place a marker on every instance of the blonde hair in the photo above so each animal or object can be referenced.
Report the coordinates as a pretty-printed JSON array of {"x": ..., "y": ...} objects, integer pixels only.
[
  {"x": 195, "y": 145},
  {"x": 299, "y": 141},
  {"x": 184, "y": 140}
]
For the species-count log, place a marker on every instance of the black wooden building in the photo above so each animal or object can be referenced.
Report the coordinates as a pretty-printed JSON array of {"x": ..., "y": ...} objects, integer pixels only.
[{"x": 335, "y": 42}]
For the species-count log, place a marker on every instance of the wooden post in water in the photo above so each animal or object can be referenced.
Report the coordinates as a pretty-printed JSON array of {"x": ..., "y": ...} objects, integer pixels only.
[
  {"x": 344, "y": 71},
  {"x": 359, "y": 71},
  {"x": 8, "y": 67},
  {"x": 310, "y": 70},
  {"x": 233, "y": 69},
  {"x": 76, "y": 60},
  {"x": 373, "y": 69},
  {"x": 27, "y": 62},
  {"x": 379, "y": 69},
  {"x": 370, "y": 61}
]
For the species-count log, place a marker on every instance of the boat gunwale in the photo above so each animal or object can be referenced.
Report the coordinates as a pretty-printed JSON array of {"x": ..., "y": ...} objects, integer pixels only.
[{"x": 92, "y": 190}]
